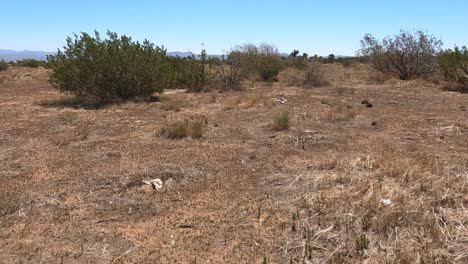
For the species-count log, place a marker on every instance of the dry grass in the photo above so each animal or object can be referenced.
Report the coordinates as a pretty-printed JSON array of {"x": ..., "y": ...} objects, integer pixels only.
[
  {"x": 311, "y": 76},
  {"x": 281, "y": 121},
  {"x": 456, "y": 87},
  {"x": 331, "y": 189},
  {"x": 174, "y": 102},
  {"x": 180, "y": 129}
]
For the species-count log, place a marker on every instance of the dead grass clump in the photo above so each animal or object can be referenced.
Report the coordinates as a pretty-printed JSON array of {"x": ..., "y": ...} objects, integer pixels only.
[
  {"x": 281, "y": 121},
  {"x": 67, "y": 118},
  {"x": 244, "y": 103},
  {"x": 232, "y": 103},
  {"x": 311, "y": 76},
  {"x": 173, "y": 103},
  {"x": 196, "y": 130},
  {"x": 339, "y": 114},
  {"x": 375, "y": 77},
  {"x": 184, "y": 128},
  {"x": 228, "y": 76},
  {"x": 176, "y": 130},
  {"x": 213, "y": 97},
  {"x": 340, "y": 90},
  {"x": 325, "y": 163},
  {"x": 82, "y": 130}
]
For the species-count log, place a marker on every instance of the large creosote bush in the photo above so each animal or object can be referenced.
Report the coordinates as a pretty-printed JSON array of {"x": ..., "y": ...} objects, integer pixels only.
[
  {"x": 111, "y": 69},
  {"x": 408, "y": 55}
]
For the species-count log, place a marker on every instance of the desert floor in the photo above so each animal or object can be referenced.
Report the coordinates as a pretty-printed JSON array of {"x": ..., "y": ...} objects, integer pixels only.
[{"x": 345, "y": 183}]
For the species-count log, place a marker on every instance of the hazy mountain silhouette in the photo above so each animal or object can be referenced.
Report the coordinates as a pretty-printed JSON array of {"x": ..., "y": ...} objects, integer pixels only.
[{"x": 14, "y": 55}]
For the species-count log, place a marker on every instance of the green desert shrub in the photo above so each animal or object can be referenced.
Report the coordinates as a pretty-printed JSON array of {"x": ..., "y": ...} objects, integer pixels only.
[
  {"x": 3, "y": 65},
  {"x": 186, "y": 71},
  {"x": 454, "y": 66},
  {"x": 269, "y": 67},
  {"x": 350, "y": 61},
  {"x": 111, "y": 69},
  {"x": 31, "y": 63},
  {"x": 192, "y": 73}
]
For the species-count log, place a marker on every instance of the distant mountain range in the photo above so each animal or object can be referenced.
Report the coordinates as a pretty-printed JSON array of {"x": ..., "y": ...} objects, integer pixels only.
[
  {"x": 189, "y": 54},
  {"x": 14, "y": 55}
]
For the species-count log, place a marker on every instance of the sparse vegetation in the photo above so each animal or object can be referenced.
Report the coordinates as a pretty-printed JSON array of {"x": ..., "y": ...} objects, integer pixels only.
[
  {"x": 228, "y": 73},
  {"x": 196, "y": 129},
  {"x": 184, "y": 128},
  {"x": 281, "y": 121},
  {"x": 173, "y": 103},
  {"x": 368, "y": 169},
  {"x": 269, "y": 67},
  {"x": 407, "y": 55},
  {"x": 31, "y": 63},
  {"x": 67, "y": 118},
  {"x": 313, "y": 75},
  {"x": 3, "y": 65},
  {"x": 362, "y": 243},
  {"x": 193, "y": 73},
  {"x": 297, "y": 62},
  {"x": 263, "y": 61},
  {"x": 331, "y": 58},
  {"x": 176, "y": 130},
  {"x": 310, "y": 76},
  {"x": 454, "y": 65}
]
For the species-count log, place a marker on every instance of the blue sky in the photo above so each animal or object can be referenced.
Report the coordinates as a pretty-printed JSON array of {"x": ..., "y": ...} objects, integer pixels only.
[{"x": 315, "y": 27}]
